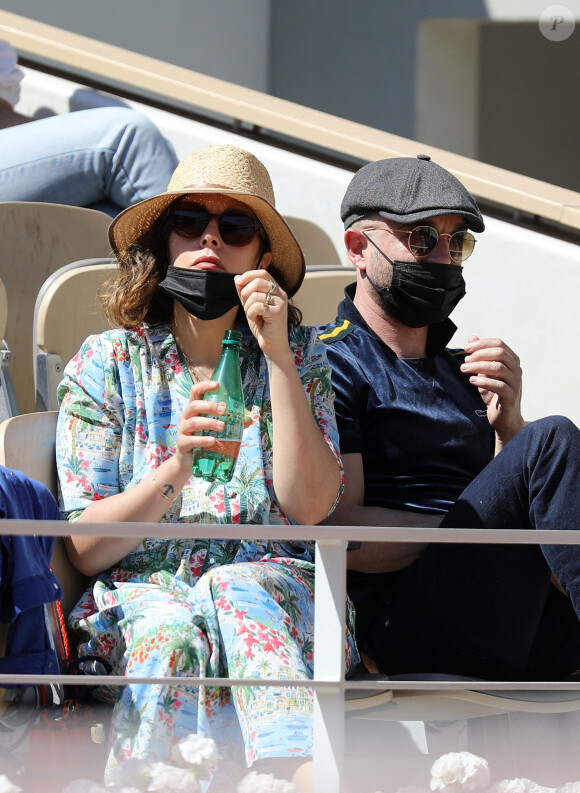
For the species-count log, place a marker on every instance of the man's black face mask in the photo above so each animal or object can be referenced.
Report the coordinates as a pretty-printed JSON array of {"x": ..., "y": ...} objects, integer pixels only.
[{"x": 420, "y": 293}]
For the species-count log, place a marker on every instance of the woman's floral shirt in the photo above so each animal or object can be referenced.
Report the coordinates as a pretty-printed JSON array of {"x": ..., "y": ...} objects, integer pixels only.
[{"x": 121, "y": 399}]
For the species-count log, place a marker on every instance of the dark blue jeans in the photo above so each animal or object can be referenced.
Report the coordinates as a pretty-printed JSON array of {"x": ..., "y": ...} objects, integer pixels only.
[{"x": 489, "y": 611}]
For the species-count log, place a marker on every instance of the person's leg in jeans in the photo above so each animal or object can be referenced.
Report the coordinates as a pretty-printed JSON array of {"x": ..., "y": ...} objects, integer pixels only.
[
  {"x": 468, "y": 609},
  {"x": 534, "y": 483},
  {"x": 485, "y": 610},
  {"x": 82, "y": 158}
]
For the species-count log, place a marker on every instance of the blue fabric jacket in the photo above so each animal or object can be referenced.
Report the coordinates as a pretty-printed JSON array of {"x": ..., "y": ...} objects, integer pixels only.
[{"x": 26, "y": 581}]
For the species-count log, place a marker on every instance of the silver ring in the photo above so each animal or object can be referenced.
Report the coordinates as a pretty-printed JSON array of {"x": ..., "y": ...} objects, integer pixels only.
[
  {"x": 271, "y": 287},
  {"x": 268, "y": 299}
]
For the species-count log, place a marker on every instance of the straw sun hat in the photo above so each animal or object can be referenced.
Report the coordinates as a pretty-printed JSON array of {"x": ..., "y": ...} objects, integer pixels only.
[{"x": 219, "y": 170}]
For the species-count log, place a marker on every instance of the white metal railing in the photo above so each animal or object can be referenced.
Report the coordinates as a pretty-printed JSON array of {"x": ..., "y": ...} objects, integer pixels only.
[{"x": 328, "y": 684}]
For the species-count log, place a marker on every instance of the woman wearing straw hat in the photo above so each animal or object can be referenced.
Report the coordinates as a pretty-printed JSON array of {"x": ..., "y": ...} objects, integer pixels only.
[{"x": 210, "y": 254}]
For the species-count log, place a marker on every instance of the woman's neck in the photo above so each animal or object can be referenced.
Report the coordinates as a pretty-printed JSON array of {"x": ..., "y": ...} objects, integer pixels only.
[{"x": 200, "y": 340}]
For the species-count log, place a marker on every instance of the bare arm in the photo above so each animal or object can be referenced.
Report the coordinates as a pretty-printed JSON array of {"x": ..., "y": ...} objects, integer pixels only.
[
  {"x": 306, "y": 473},
  {"x": 375, "y": 557},
  {"x": 144, "y": 502}
]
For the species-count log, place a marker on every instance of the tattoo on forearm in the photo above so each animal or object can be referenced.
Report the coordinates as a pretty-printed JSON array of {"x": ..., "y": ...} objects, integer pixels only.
[{"x": 165, "y": 490}]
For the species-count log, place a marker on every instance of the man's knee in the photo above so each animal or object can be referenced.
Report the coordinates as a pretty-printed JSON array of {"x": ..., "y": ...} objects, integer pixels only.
[
  {"x": 138, "y": 122},
  {"x": 125, "y": 120},
  {"x": 123, "y": 123},
  {"x": 554, "y": 429}
]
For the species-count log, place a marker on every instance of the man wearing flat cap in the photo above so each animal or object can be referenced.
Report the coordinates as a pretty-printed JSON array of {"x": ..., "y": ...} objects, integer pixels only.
[{"x": 432, "y": 436}]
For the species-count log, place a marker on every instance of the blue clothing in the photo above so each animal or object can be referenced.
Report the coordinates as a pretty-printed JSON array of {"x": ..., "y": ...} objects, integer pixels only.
[
  {"x": 485, "y": 611},
  {"x": 396, "y": 411},
  {"x": 107, "y": 158},
  {"x": 26, "y": 581}
]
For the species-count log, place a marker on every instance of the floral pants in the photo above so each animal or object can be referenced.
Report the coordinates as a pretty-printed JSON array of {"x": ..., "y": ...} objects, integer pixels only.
[{"x": 247, "y": 620}]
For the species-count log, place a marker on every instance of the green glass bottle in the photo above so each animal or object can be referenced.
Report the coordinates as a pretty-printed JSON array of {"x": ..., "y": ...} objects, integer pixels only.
[{"x": 219, "y": 461}]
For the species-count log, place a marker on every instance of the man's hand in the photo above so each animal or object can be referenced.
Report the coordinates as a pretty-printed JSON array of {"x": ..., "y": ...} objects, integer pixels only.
[{"x": 495, "y": 369}]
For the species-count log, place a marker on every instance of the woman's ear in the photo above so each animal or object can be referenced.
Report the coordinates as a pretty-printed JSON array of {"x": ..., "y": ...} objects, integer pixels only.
[
  {"x": 264, "y": 261},
  {"x": 356, "y": 244}
]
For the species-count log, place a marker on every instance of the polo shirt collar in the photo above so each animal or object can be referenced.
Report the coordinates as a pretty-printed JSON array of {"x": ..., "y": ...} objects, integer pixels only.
[{"x": 438, "y": 336}]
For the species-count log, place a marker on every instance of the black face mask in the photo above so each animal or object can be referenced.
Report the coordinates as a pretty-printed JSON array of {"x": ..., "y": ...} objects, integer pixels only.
[
  {"x": 420, "y": 294},
  {"x": 204, "y": 293}
]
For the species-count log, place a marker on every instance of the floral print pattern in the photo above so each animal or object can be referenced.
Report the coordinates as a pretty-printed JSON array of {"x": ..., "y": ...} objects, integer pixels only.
[{"x": 197, "y": 607}]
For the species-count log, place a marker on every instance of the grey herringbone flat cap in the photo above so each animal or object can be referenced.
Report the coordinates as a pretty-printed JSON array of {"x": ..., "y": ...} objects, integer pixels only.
[{"x": 408, "y": 190}]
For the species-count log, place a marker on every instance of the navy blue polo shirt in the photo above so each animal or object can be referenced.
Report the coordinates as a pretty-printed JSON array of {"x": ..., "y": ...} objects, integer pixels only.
[{"x": 419, "y": 424}]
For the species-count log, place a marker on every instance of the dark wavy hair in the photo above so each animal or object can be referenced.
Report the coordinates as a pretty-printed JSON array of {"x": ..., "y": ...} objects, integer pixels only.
[{"x": 132, "y": 296}]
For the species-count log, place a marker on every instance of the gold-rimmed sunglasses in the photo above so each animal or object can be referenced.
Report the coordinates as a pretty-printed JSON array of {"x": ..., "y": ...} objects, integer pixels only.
[{"x": 423, "y": 239}]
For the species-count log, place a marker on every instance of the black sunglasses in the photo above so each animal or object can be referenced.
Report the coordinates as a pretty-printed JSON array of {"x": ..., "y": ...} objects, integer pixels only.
[
  {"x": 423, "y": 239},
  {"x": 236, "y": 227}
]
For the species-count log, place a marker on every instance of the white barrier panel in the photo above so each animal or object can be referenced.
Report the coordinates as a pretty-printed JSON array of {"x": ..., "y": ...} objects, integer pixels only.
[{"x": 328, "y": 684}]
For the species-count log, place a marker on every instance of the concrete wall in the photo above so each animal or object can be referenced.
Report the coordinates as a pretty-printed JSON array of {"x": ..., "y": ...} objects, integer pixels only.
[
  {"x": 529, "y": 113},
  {"x": 222, "y": 38},
  {"x": 526, "y": 9},
  {"x": 447, "y": 93},
  {"x": 502, "y": 93},
  {"x": 355, "y": 60}
]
